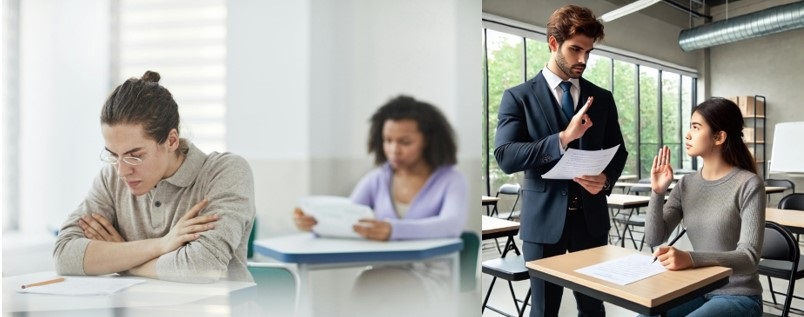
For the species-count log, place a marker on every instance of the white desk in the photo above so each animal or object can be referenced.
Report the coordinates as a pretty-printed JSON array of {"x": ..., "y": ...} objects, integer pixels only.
[
  {"x": 152, "y": 298},
  {"x": 311, "y": 253}
]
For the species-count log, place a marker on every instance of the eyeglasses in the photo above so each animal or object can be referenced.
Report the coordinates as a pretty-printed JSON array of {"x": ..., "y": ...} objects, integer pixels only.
[{"x": 107, "y": 157}]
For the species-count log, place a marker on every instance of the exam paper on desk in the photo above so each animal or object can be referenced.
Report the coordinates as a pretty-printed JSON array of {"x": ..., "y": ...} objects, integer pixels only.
[
  {"x": 84, "y": 286},
  {"x": 624, "y": 270},
  {"x": 577, "y": 162},
  {"x": 335, "y": 215}
]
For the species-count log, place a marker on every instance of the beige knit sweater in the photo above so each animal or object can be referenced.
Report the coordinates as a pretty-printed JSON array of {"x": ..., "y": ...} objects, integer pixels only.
[{"x": 225, "y": 179}]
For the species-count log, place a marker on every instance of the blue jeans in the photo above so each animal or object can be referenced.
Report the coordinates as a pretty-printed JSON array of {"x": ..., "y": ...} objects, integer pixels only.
[{"x": 719, "y": 305}]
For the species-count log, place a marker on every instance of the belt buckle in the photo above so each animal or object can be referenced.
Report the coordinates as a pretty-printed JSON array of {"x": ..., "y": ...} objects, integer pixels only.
[{"x": 574, "y": 204}]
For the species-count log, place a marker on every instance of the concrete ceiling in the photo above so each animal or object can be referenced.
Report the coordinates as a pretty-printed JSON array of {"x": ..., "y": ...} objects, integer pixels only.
[{"x": 677, "y": 12}]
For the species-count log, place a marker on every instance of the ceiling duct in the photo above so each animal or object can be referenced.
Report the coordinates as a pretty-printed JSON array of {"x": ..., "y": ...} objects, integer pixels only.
[{"x": 769, "y": 21}]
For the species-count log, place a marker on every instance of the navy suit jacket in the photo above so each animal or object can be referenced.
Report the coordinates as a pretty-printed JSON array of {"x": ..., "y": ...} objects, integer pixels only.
[{"x": 527, "y": 140}]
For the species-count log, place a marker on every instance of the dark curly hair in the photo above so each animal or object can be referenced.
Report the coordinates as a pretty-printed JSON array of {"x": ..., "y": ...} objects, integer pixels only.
[{"x": 440, "y": 147}]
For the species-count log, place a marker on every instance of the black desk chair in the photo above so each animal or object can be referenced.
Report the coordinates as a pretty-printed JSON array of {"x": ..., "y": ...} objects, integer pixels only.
[
  {"x": 507, "y": 190},
  {"x": 633, "y": 219},
  {"x": 793, "y": 201},
  {"x": 781, "y": 259},
  {"x": 785, "y": 183},
  {"x": 510, "y": 269}
]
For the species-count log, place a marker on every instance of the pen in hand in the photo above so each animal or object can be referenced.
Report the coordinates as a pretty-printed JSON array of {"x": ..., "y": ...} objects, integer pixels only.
[
  {"x": 55, "y": 280},
  {"x": 671, "y": 242}
]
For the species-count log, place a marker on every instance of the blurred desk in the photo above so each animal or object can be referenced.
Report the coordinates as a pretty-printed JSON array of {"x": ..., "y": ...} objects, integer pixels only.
[
  {"x": 621, "y": 201},
  {"x": 651, "y": 296},
  {"x": 152, "y": 298},
  {"x": 497, "y": 228},
  {"x": 773, "y": 189},
  {"x": 792, "y": 219},
  {"x": 309, "y": 253},
  {"x": 489, "y": 200}
]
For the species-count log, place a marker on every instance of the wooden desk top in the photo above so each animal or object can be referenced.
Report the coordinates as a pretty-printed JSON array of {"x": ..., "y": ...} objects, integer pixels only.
[
  {"x": 792, "y": 219},
  {"x": 627, "y": 201},
  {"x": 773, "y": 189},
  {"x": 651, "y": 296},
  {"x": 489, "y": 200},
  {"x": 496, "y": 227}
]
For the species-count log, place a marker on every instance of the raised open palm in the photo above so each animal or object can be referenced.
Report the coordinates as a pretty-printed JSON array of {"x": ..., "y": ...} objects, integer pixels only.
[{"x": 661, "y": 173}]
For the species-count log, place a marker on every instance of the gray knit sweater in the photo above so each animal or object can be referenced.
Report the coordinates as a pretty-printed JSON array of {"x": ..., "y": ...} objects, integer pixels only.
[
  {"x": 219, "y": 253},
  {"x": 725, "y": 222}
]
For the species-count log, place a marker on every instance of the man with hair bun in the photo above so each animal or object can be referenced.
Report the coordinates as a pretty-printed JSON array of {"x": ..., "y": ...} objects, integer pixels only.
[{"x": 160, "y": 208}]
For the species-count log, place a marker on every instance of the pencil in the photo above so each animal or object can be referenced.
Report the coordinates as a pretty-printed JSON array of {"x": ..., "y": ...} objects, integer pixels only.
[
  {"x": 55, "y": 280},
  {"x": 671, "y": 242}
]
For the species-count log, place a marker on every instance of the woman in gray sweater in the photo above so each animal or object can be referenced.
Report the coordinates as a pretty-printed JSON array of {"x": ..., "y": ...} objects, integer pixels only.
[
  {"x": 723, "y": 208},
  {"x": 161, "y": 208}
]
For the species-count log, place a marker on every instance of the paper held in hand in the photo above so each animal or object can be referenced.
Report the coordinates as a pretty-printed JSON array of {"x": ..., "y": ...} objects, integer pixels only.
[
  {"x": 335, "y": 215},
  {"x": 577, "y": 162}
]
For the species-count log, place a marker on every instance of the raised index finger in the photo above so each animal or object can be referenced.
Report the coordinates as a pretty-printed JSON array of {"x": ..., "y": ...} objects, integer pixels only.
[
  {"x": 196, "y": 209},
  {"x": 586, "y": 106}
]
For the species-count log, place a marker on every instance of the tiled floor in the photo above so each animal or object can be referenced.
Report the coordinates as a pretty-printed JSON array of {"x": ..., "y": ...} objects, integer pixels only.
[{"x": 501, "y": 297}]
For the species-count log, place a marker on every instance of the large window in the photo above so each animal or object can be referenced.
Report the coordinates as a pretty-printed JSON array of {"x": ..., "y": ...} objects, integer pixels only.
[
  {"x": 185, "y": 41},
  {"x": 653, "y": 100}
]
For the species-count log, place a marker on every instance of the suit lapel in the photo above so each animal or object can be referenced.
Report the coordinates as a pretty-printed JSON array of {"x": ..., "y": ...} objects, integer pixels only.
[{"x": 549, "y": 107}]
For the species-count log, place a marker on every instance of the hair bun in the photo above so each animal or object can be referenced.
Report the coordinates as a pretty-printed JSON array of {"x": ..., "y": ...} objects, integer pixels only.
[{"x": 150, "y": 76}]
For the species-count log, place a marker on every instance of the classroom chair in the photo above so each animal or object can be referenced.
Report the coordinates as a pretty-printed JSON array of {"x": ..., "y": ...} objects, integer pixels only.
[
  {"x": 786, "y": 183},
  {"x": 633, "y": 219},
  {"x": 781, "y": 259},
  {"x": 793, "y": 201},
  {"x": 510, "y": 269},
  {"x": 509, "y": 190}
]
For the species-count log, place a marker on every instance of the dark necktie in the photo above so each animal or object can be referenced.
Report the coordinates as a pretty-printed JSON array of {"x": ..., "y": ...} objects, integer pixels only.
[{"x": 566, "y": 100}]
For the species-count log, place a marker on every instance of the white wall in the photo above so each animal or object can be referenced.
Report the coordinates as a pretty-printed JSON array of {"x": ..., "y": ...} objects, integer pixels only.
[
  {"x": 770, "y": 66},
  {"x": 61, "y": 95},
  {"x": 314, "y": 101},
  {"x": 64, "y": 80}
]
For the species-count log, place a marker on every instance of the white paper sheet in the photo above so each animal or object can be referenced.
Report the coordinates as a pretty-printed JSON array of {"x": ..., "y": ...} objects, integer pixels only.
[
  {"x": 84, "y": 286},
  {"x": 335, "y": 215},
  {"x": 577, "y": 162},
  {"x": 624, "y": 270}
]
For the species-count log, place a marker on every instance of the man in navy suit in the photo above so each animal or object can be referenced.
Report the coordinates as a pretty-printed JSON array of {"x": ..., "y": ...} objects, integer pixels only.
[{"x": 534, "y": 131}]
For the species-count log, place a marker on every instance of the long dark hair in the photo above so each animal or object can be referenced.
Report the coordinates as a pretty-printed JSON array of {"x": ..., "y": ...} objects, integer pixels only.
[
  {"x": 440, "y": 146},
  {"x": 724, "y": 115},
  {"x": 143, "y": 101}
]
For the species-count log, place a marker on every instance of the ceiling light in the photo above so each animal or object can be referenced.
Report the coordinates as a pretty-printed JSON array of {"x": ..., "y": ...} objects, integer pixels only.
[{"x": 627, "y": 9}]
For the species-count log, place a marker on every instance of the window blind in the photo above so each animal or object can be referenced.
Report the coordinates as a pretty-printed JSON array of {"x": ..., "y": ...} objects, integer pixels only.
[{"x": 185, "y": 42}]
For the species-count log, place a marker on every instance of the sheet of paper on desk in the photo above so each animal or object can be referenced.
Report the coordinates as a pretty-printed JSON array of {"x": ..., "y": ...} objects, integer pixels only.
[
  {"x": 624, "y": 270},
  {"x": 335, "y": 215},
  {"x": 84, "y": 286},
  {"x": 577, "y": 162}
]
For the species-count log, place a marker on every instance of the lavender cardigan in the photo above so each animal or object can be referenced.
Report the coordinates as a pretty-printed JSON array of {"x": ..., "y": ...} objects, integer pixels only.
[{"x": 439, "y": 210}]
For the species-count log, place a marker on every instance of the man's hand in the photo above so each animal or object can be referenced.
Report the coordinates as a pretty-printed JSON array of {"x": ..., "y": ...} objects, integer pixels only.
[
  {"x": 303, "y": 221},
  {"x": 578, "y": 125},
  {"x": 188, "y": 228},
  {"x": 97, "y": 227},
  {"x": 373, "y": 229},
  {"x": 592, "y": 183},
  {"x": 673, "y": 259}
]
